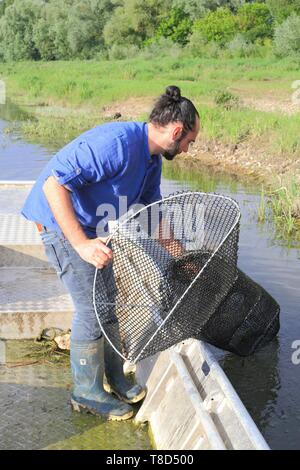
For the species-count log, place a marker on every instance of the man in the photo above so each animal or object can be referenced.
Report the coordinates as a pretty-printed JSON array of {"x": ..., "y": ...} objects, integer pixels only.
[{"x": 100, "y": 166}]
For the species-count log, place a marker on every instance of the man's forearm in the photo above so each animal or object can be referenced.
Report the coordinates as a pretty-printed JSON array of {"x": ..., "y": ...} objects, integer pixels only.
[{"x": 59, "y": 200}]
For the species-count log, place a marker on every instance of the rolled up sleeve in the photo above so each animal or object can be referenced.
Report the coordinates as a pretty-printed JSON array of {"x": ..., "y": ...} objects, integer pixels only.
[{"x": 81, "y": 167}]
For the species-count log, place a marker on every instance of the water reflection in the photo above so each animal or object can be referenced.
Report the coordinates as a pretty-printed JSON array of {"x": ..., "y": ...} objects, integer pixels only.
[
  {"x": 188, "y": 174},
  {"x": 19, "y": 160},
  {"x": 11, "y": 112},
  {"x": 257, "y": 379}
]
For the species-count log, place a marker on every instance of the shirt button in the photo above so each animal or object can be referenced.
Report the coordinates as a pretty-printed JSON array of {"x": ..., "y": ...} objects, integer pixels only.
[{"x": 78, "y": 171}]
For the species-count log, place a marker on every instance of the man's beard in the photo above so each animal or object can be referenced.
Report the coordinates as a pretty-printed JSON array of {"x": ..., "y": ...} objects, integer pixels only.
[{"x": 171, "y": 153}]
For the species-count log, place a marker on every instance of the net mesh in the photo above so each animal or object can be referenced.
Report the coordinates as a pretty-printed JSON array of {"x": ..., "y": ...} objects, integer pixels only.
[
  {"x": 245, "y": 321},
  {"x": 174, "y": 263}
]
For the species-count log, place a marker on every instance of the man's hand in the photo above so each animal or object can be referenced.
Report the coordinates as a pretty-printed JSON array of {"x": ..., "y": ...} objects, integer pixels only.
[
  {"x": 92, "y": 251},
  {"x": 95, "y": 252}
]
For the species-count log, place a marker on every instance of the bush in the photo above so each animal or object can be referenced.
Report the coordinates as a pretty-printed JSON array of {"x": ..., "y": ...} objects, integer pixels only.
[
  {"x": 287, "y": 37},
  {"x": 240, "y": 47},
  {"x": 198, "y": 47},
  {"x": 118, "y": 52},
  {"x": 163, "y": 47},
  {"x": 196, "y": 44},
  {"x": 212, "y": 50},
  {"x": 226, "y": 100},
  {"x": 176, "y": 26},
  {"x": 219, "y": 26}
]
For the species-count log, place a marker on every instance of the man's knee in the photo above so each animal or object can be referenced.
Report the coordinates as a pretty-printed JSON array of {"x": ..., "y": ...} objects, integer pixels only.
[{"x": 85, "y": 328}]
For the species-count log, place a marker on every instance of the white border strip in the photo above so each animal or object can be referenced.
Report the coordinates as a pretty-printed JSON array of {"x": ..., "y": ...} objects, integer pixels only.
[{"x": 16, "y": 182}]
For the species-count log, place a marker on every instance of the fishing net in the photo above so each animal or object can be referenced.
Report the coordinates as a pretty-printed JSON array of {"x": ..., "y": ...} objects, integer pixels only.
[
  {"x": 174, "y": 262},
  {"x": 245, "y": 321}
]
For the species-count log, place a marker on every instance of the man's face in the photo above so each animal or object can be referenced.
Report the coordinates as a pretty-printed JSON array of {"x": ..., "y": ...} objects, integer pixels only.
[{"x": 179, "y": 141}]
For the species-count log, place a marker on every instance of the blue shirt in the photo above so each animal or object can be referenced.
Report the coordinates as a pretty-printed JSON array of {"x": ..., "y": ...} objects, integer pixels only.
[{"x": 98, "y": 167}]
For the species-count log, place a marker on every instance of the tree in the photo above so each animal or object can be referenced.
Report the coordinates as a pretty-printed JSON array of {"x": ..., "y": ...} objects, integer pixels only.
[
  {"x": 134, "y": 21},
  {"x": 86, "y": 24},
  {"x": 16, "y": 30},
  {"x": 73, "y": 28},
  {"x": 51, "y": 30},
  {"x": 120, "y": 30},
  {"x": 4, "y": 4},
  {"x": 282, "y": 9},
  {"x": 254, "y": 21},
  {"x": 199, "y": 8},
  {"x": 195, "y": 9}
]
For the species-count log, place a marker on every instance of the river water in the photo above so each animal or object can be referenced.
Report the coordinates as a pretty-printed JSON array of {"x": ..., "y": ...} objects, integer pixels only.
[
  {"x": 267, "y": 382},
  {"x": 19, "y": 160}
]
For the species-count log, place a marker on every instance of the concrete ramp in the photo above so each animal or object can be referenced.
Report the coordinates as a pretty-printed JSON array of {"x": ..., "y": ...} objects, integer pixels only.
[
  {"x": 31, "y": 296},
  {"x": 20, "y": 244},
  {"x": 191, "y": 405},
  {"x": 31, "y": 299}
]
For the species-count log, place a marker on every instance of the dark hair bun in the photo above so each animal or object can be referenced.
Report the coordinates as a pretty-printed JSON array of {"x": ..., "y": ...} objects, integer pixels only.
[{"x": 174, "y": 93}]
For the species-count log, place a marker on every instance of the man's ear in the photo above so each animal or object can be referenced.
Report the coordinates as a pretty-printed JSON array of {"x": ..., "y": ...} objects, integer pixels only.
[{"x": 177, "y": 131}]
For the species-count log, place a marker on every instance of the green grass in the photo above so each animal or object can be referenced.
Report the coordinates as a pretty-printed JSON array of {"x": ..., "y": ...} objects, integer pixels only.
[
  {"x": 92, "y": 84},
  {"x": 279, "y": 133},
  {"x": 285, "y": 203},
  {"x": 82, "y": 82},
  {"x": 56, "y": 132},
  {"x": 262, "y": 207}
]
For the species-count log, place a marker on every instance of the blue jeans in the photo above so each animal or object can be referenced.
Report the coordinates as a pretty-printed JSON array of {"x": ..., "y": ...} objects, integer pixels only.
[{"x": 78, "y": 277}]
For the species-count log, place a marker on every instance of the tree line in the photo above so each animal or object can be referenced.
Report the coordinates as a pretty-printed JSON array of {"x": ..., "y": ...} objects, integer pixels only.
[{"x": 85, "y": 29}]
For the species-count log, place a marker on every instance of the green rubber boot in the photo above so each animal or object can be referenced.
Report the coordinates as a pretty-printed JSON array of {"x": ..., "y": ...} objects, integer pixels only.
[
  {"x": 87, "y": 363},
  {"x": 115, "y": 380}
]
